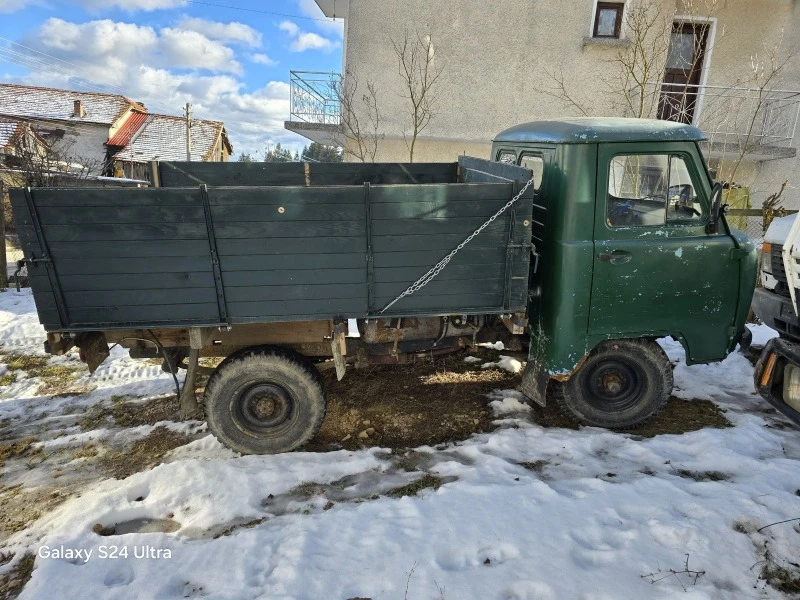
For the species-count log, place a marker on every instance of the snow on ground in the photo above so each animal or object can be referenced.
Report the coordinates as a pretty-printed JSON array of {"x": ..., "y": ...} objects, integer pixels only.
[
  {"x": 507, "y": 363},
  {"x": 521, "y": 513}
]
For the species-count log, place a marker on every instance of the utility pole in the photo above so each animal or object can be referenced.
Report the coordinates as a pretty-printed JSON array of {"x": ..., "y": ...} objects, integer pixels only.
[{"x": 188, "y": 131}]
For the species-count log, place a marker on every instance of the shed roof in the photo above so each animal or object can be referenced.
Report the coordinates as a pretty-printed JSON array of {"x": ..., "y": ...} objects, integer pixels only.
[
  {"x": 163, "y": 137},
  {"x": 50, "y": 103},
  {"x": 129, "y": 128},
  {"x": 592, "y": 130}
]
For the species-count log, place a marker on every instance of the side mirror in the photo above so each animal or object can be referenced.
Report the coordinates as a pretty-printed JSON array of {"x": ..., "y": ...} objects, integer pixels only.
[{"x": 716, "y": 209}]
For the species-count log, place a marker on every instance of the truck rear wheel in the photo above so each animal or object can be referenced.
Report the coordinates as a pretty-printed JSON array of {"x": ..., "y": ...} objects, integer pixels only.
[
  {"x": 265, "y": 401},
  {"x": 622, "y": 384}
]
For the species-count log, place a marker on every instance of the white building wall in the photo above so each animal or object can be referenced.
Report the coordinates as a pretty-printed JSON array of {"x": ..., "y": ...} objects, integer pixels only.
[
  {"x": 494, "y": 56},
  {"x": 83, "y": 143}
]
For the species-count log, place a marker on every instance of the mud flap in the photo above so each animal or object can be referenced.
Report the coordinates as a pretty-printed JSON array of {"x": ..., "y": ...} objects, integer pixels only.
[
  {"x": 534, "y": 383},
  {"x": 93, "y": 348}
]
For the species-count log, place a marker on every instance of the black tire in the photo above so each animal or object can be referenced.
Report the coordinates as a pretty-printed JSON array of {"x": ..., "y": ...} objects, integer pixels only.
[
  {"x": 622, "y": 384},
  {"x": 265, "y": 401}
]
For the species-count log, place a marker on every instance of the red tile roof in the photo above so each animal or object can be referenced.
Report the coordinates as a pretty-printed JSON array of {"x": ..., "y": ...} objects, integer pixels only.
[{"x": 128, "y": 130}]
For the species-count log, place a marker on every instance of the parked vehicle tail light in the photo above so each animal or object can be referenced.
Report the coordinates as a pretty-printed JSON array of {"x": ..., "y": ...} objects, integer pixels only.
[{"x": 766, "y": 257}]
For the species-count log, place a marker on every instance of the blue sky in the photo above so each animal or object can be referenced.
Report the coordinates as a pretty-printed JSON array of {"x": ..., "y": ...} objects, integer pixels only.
[{"x": 228, "y": 58}]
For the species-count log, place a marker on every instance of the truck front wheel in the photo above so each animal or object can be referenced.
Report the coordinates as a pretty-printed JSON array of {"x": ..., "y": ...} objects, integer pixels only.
[
  {"x": 622, "y": 384},
  {"x": 265, "y": 401}
]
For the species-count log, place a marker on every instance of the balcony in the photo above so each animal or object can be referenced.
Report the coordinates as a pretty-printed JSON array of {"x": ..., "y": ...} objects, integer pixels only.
[
  {"x": 761, "y": 124},
  {"x": 314, "y": 106}
]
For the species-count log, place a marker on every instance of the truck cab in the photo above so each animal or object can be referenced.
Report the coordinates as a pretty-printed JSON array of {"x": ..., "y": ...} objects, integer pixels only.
[{"x": 631, "y": 246}]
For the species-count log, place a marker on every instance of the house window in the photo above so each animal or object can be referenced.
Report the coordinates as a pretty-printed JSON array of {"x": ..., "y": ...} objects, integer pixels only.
[{"x": 608, "y": 20}]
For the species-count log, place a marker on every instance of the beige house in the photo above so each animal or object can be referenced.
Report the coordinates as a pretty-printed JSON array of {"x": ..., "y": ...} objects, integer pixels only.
[
  {"x": 75, "y": 124},
  {"x": 722, "y": 65},
  {"x": 162, "y": 137},
  {"x": 109, "y": 134}
]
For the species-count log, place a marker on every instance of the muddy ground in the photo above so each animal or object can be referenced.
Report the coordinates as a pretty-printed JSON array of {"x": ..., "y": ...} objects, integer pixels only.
[{"x": 444, "y": 399}]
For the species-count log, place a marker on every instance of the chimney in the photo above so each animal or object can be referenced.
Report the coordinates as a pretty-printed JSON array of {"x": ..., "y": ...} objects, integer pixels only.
[{"x": 77, "y": 109}]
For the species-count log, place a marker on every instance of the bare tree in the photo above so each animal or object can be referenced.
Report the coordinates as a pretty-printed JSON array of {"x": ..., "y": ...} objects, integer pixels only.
[
  {"x": 633, "y": 79},
  {"x": 38, "y": 163},
  {"x": 360, "y": 119},
  {"x": 419, "y": 71}
]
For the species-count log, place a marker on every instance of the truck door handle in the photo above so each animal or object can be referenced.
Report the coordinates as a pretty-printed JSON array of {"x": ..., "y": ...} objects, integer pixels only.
[{"x": 617, "y": 257}]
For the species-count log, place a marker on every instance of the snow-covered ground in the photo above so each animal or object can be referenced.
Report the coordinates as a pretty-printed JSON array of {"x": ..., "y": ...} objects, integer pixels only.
[{"x": 521, "y": 513}]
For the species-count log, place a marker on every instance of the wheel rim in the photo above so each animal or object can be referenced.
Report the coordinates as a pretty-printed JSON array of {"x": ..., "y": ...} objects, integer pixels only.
[
  {"x": 263, "y": 408},
  {"x": 613, "y": 385}
]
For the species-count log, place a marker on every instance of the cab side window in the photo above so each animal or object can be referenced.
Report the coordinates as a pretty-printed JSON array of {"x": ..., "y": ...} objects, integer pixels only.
[
  {"x": 535, "y": 163},
  {"x": 650, "y": 190},
  {"x": 637, "y": 190},
  {"x": 507, "y": 156},
  {"x": 683, "y": 204}
]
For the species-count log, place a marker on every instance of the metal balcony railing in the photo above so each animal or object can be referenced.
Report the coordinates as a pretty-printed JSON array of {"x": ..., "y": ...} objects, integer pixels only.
[
  {"x": 314, "y": 97},
  {"x": 746, "y": 117}
]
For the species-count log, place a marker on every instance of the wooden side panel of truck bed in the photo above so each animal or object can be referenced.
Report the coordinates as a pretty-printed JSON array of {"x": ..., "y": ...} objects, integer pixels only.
[{"x": 182, "y": 256}]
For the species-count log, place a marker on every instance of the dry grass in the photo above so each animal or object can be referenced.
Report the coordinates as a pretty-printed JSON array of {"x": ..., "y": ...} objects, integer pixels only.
[
  {"x": 12, "y": 583},
  {"x": 126, "y": 413},
  {"x": 57, "y": 379},
  {"x": 85, "y": 451},
  {"x": 19, "y": 449},
  {"x": 426, "y": 482},
  {"x": 784, "y": 578},
  {"x": 143, "y": 454},
  {"x": 703, "y": 475}
]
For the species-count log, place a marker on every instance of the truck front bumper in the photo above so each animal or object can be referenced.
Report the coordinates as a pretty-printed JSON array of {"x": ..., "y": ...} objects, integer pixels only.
[
  {"x": 768, "y": 376},
  {"x": 777, "y": 312}
]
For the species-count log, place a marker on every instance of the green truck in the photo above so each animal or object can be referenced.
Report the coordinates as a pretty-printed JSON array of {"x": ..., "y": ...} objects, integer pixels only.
[{"x": 582, "y": 240}]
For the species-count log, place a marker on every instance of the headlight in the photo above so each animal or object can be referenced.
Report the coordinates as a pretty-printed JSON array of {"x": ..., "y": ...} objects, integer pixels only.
[
  {"x": 766, "y": 258},
  {"x": 791, "y": 386}
]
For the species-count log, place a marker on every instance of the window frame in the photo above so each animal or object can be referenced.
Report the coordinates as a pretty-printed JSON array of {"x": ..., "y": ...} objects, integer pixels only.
[
  {"x": 534, "y": 154},
  {"x": 693, "y": 175},
  {"x": 508, "y": 151},
  {"x": 619, "y": 7}
]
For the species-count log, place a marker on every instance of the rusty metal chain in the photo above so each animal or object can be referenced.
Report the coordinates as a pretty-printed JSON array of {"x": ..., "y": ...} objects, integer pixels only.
[{"x": 438, "y": 267}]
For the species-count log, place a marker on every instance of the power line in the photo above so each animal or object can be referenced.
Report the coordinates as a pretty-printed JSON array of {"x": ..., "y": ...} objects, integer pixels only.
[{"x": 264, "y": 12}]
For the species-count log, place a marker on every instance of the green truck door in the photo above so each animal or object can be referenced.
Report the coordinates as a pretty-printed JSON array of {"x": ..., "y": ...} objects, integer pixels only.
[{"x": 656, "y": 270}]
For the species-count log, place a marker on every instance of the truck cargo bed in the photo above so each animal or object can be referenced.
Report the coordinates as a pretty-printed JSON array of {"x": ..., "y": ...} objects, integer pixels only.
[{"x": 221, "y": 244}]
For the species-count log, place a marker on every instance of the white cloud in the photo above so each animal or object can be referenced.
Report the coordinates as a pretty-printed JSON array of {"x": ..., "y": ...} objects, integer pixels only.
[
  {"x": 223, "y": 32},
  {"x": 303, "y": 41},
  {"x": 311, "y": 41},
  {"x": 155, "y": 66},
  {"x": 263, "y": 59},
  {"x": 107, "y": 45},
  {"x": 132, "y": 5},
  {"x": 312, "y": 9},
  {"x": 10, "y": 6},
  {"x": 190, "y": 49},
  {"x": 289, "y": 27}
]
